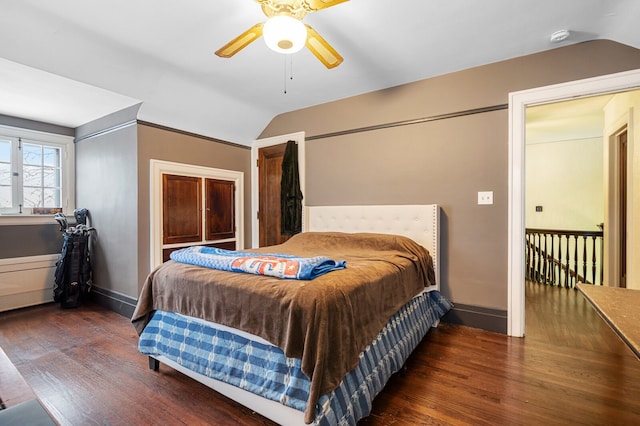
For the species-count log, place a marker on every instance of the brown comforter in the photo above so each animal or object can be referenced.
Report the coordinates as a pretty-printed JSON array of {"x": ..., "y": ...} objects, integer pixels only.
[{"x": 326, "y": 322}]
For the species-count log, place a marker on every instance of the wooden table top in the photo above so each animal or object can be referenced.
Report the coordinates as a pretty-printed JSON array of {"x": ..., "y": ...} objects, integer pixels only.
[{"x": 620, "y": 308}]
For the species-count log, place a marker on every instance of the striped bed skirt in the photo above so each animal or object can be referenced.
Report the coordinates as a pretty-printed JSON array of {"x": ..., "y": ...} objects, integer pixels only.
[{"x": 256, "y": 366}]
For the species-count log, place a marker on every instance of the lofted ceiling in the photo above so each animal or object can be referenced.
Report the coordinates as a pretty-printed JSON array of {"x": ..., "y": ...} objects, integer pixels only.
[{"x": 68, "y": 62}]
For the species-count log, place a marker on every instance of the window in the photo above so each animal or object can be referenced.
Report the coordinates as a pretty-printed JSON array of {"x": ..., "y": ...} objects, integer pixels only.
[{"x": 36, "y": 171}]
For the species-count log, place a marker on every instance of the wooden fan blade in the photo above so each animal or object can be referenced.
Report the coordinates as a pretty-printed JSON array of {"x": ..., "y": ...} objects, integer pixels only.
[
  {"x": 313, "y": 5},
  {"x": 240, "y": 42},
  {"x": 321, "y": 49}
]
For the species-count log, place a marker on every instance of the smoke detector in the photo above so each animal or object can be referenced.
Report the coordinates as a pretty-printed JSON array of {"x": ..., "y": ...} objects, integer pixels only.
[{"x": 559, "y": 36}]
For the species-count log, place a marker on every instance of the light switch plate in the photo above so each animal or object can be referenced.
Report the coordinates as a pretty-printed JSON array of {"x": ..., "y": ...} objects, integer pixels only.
[{"x": 485, "y": 197}]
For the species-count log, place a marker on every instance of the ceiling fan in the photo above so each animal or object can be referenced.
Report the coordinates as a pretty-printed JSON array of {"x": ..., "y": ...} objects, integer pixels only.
[{"x": 285, "y": 32}]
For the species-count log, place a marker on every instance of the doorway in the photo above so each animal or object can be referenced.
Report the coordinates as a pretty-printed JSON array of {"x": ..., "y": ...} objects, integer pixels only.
[
  {"x": 565, "y": 197},
  {"x": 260, "y": 224},
  {"x": 518, "y": 103}
]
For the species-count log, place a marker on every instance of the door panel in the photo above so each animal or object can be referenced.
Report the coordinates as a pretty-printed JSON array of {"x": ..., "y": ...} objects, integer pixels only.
[
  {"x": 623, "y": 178},
  {"x": 182, "y": 209},
  {"x": 269, "y": 177},
  {"x": 220, "y": 213}
]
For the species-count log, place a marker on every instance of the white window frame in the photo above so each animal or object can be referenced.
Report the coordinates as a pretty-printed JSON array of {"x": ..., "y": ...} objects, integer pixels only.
[{"x": 67, "y": 191}]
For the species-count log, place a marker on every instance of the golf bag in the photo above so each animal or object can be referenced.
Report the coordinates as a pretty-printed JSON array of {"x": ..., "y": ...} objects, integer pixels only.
[{"x": 73, "y": 271}]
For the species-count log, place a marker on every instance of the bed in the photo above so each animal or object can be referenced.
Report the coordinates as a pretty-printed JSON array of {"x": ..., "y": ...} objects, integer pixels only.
[{"x": 301, "y": 352}]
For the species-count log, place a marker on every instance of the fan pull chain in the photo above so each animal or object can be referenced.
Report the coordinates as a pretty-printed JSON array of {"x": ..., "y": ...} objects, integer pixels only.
[
  {"x": 291, "y": 67},
  {"x": 285, "y": 71},
  {"x": 285, "y": 74}
]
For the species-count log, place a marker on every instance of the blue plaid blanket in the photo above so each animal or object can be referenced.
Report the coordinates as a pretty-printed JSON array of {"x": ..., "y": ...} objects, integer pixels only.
[{"x": 275, "y": 265}]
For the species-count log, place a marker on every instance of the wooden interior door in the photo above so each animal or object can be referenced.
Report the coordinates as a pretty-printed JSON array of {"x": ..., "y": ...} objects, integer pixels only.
[
  {"x": 182, "y": 209},
  {"x": 269, "y": 177},
  {"x": 220, "y": 209},
  {"x": 622, "y": 238}
]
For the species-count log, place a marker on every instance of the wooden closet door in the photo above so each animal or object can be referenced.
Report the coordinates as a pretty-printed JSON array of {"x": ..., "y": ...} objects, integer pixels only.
[
  {"x": 220, "y": 214},
  {"x": 182, "y": 209}
]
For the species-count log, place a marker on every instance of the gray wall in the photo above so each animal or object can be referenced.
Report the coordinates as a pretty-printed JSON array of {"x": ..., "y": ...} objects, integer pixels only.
[
  {"x": 446, "y": 161},
  {"x": 106, "y": 176},
  {"x": 29, "y": 240}
]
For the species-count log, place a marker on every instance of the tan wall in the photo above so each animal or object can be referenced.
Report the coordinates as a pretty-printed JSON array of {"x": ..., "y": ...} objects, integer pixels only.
[
  {"x": 446, "y": 161},
  {"x": 162, "y": 144}
]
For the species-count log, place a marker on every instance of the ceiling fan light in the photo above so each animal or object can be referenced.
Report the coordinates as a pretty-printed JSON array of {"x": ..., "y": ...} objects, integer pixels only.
[{"x": 284, "y": 34}]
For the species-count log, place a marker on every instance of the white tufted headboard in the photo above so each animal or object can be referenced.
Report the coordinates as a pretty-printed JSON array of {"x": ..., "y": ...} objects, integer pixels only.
[{"x": 421, "y": 223}]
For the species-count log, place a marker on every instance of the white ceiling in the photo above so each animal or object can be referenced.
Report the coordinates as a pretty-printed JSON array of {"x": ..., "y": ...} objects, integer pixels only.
[
  {"x": 569, "y": 120},
  {"x": 71, "y": 61}
]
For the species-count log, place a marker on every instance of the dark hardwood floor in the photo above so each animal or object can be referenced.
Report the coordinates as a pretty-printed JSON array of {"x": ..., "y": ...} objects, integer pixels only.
[{"x": 569, "y": 369}]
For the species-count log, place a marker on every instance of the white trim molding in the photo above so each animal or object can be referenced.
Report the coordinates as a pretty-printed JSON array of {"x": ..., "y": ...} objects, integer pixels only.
[{"x": 518, "y": 102}]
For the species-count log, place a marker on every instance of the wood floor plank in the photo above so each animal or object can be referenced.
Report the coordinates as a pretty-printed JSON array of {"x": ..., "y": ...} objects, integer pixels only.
[{"x": 570, "y": 369}]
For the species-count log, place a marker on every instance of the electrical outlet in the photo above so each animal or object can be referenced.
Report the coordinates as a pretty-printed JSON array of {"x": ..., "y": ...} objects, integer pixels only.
[{"x": 485, "y": 197}]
